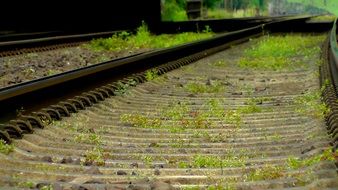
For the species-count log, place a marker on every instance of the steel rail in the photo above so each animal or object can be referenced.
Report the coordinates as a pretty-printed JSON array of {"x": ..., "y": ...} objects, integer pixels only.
[{"x": 44, "y": 98}]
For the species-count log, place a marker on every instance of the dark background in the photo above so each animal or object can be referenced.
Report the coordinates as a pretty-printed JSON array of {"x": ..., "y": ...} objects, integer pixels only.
[{"x": 78, "y": 16}]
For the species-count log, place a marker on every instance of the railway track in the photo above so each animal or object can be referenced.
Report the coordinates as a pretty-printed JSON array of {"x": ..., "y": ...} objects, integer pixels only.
[{"x": 210, "y": 124}]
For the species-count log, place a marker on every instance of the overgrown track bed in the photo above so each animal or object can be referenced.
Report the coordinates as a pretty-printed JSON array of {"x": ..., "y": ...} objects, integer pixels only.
[{"x": 218, "y": 123}]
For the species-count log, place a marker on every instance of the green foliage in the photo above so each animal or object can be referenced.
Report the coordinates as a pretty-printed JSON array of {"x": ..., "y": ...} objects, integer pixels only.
[
  {"x": 138, "y": 120},
  {"x": 281, "y": 52},
  {"x": 26, "y": 184},
  {"x": 310, "y": 104},
  {"x": 205, "y": 161},
  {"x": 94, "y": 156},
  {"x": 211, "y": 3},
  {"x": 122, "y": 88},
  {"x": 151, "y": 74},
  {"x": 233, "y": 117},
  {"x": 88, "y": 138},
  {"x": 175, "y": 111},
  {"x": 252, "y": 106},
  {"x": 5, "y": 148},
  {"x": 213, "y": 87},
  {"x": 173, "y": 10},
  {"x": 144, "y": 39},
  {"x": 329, "y": 5},
  {"x": 265, "y": 173},
  {"x": 296, "y": 163}
]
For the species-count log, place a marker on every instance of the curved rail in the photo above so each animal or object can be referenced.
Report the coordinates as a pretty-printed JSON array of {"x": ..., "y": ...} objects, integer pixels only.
[
  {"x": 56, "y": 96},
  {"x": 329, "y": 82}
]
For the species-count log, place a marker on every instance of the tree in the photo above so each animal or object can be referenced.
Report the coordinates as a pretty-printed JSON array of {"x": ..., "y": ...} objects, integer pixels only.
[{"x": 210, "y": 3}]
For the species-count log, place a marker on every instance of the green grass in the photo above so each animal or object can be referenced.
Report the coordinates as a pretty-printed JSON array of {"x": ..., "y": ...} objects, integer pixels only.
[
  {"x": 196, "y": 88},
  {"x": 296, "y": 163},
  {"x": 138, "y": 120},
  {"x": 281, "y": 52},
  {"x": 309, "y": 104},
  {"x": 94, "y": 156},
  {"x": 5, "y": 148},
  {"x": 143, "y": 39},
  {"x": 265, "y": 173},
  {"x": 204, "y": 161}
]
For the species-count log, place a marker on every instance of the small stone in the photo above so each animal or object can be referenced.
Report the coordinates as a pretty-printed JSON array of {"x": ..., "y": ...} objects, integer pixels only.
[
  {"x": 133, "y": 173},
  {"x": 237, "y": 93},
  {"x": 308, "y": 149},
  {"x": 134, "y": 165},
  {"x": 121, "y": 172},
  {"x": 157, "y": 165},
  {"x": 260, "y": 89},
  {"x": 66, "y": 160},
  {"x": 149, "y": 150},
  {"x": 157, "y": 171},
  {"x": 47, "y": 159},
  {"x": 93, "y": 170}
]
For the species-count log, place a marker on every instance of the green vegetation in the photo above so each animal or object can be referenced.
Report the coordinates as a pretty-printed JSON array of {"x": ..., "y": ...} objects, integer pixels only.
[
  {"x": 329, "y": 5},
  {"x": 227, "y": 160},
  {"x": 143, "y": 39},
  {"x": 122, "y": 88},
  {"x": 26, "y": 184},
  {"x": 174, "y": 10},
  {"x": 265, "y": 173},
  {"x": 296, "y": 163},
  {"x": 281, "y": 52},
  {"x": 148, "y": 160},
  {"x": 151, "y": 74},
  {"x": 138, "y": 120},
  {"x": 212, "y": 87},
  {"x": 94, "y": 156},
  {"x": 5, "y": 148},
  {"x": 310, "y": 104},
  {"x": 91, "y": 138}
]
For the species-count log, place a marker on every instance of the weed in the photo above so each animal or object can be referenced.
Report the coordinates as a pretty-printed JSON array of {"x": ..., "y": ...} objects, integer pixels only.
[
  {"x": 88, "y": 138},
  {"x": 144, "y": 39},
  {"x": 213, "y": 87},
  {"x": 175, "y": 129},
  {"x": 138, "y": 120},
  {"x": 296, "y": 163},
  {"x": 151, "y": 74},
  {"x": 148, "y": 160},
  {"x": 179, "y": 143},
  {"x": 233, "y": 117},
  {"x": 175, "y": 111},
  {"x": 265, "y": 173},
  {"x": 122, "y": 88},
  {"x": 220, "y": 63},
  {"x": 47, "y": 187},
  {"x": 6, "y": 148},
  {"x": 281, "y": 52},
  {"x": 309, "y": 104},
  {"x": 227, "y": 160},
  {"x": 274, "y": 137},
  {"x": 26, "y": 184},
  {"x": 94, "y": 156}
]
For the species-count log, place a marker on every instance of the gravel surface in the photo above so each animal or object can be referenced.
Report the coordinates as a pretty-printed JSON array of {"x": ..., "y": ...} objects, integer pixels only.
[{"x": 26, "y": 67}]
